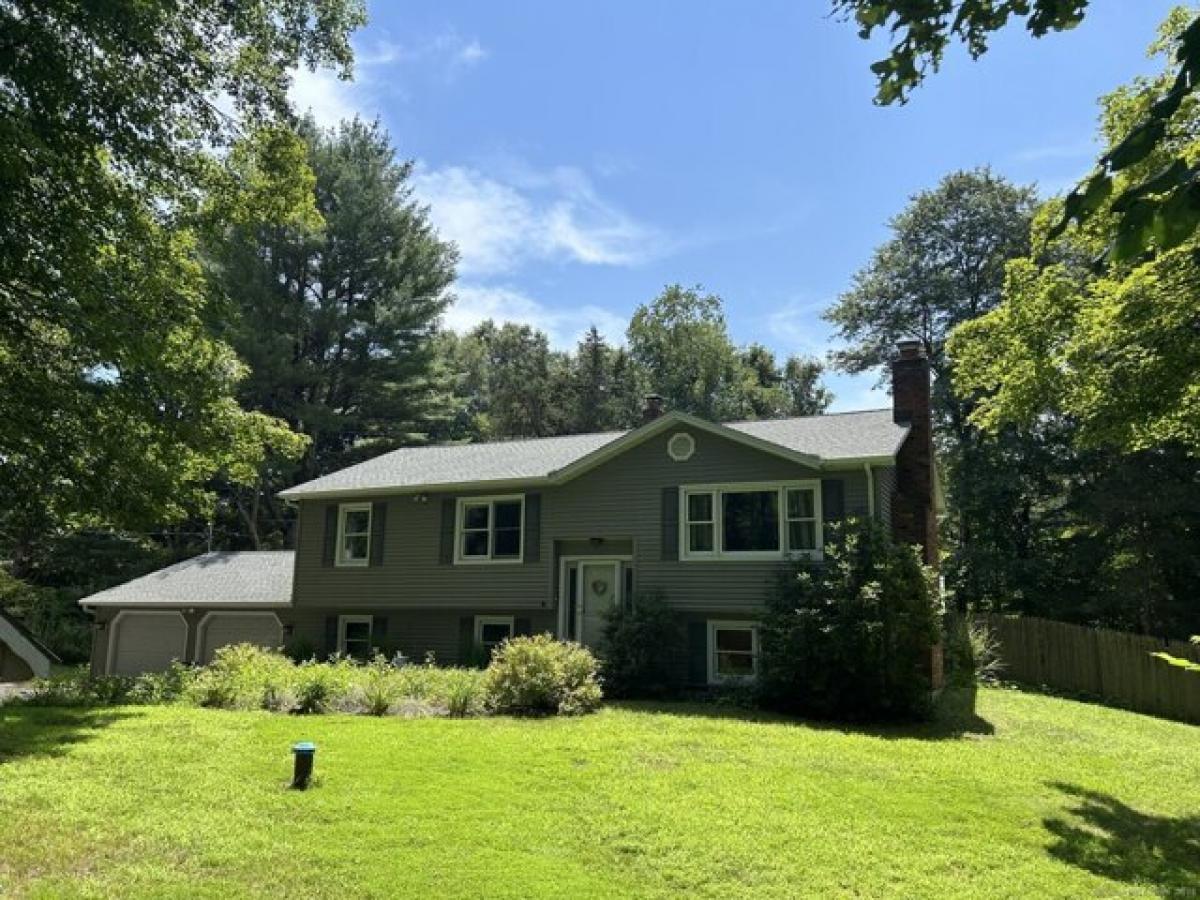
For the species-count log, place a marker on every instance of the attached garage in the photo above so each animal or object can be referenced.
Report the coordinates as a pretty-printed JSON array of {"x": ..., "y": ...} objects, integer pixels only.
[
  {"x": 219, "y": 629},
  {"x": 189, "y": 610},
  {"x": 146, "y": 641}
]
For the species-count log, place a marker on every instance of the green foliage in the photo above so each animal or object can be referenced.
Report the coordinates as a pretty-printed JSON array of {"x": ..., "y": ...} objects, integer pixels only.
[
  {"x": 111, "y": 136},
  {"x": 641, "y": 641},
  {"x": 1112, "y": 350},
  {"x": 1155, "y": 210},
  {"x": 1186, "y": 664},
  {"x": 851, "y": 636},
  {"x": 332, "y": 299},
  {"x": 512, "y": 384},
  {"x": 242, "y": 676},
  {"x": 539, "y": 675},
  {"x": 681, "y": 341},
  {"x": 247, "y": 677},
  {"x": 971, "y": 652},
  {"x": 78, "y": 687},
  {"x": 944, "y": 265}
]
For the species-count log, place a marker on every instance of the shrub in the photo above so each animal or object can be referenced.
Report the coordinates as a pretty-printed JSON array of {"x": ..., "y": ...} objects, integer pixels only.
[
  {"x": 540, "y": 675},
  {"x": 640, "y": 644},
  {"x": 242, "y": 676},
  {"x": 300, "y": 650},
  {"x": 320, "y": 686},
  {"x": 377, "y": 686},
  {"x": 463, "y": 692},
  {"x": 151, "y": 688},
  {"x": 851, "y": 636},
  {"x": 972, "y": 652},
  {"x": 78, "y": 687}
]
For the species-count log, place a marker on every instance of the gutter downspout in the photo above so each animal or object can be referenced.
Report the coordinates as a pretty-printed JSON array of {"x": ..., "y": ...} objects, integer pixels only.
[{"x": 870, "y": 490}]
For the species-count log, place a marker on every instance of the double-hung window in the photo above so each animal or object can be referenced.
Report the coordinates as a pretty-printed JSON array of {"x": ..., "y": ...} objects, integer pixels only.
[
  {"x": 751, "y": 521},
  {"x": 354, "y": 534},
  {"x": 491, "y": 632},
  {"x": 490, "y": 529},
  {"x": 354, "y": 636}
]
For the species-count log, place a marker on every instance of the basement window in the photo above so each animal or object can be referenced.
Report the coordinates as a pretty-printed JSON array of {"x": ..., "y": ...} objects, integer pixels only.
[{"x": 732, "y": 651}]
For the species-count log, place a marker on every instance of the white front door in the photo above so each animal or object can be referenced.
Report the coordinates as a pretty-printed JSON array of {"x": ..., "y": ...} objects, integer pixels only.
[{"x": 598, "y": 588}]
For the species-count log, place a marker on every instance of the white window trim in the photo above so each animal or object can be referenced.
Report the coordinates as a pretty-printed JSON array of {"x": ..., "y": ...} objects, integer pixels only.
[
  {"x": 463, "y": 502},
  {"x": 343, "y": 621},
  {"x": 722, "y": 624},
  {"x": 481, "y": 621},
  {"x": 685, "y": 455},
  {"x": 339, "y": 558},
  {"x": 717, "y": 554}
]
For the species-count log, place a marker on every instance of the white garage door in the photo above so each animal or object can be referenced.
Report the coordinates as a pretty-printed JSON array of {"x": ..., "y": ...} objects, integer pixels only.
[
  {"x": 221, "y": 629},
  {"x": 146, "y": 642}
]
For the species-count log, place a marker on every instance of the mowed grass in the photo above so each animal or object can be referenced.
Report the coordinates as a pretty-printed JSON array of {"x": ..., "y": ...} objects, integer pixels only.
[{"x": 1036, "y": 796}]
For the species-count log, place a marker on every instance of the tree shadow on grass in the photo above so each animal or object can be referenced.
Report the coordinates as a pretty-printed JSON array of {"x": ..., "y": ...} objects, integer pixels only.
[
  {"x": 51, "y": 730},
  {"x": 1116, "y": 841},
  {"x": 954, "y": 718}
]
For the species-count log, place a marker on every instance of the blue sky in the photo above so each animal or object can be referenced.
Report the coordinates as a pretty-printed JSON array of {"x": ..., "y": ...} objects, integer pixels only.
[{"x": 584, "y": 155}]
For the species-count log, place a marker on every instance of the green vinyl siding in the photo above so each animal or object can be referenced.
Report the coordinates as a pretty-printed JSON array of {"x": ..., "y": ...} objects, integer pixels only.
[{"x": 620, "y": 500}]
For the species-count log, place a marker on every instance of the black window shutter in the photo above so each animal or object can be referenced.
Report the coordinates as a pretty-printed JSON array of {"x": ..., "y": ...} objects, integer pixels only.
[
  {"x": 379, "y": 632},
  {"x": 378, "y": 530},
  {"x": 331, "y": 630},
  {"x": 533, "y": 527},
  {"x": 833, "y": 499},
  {"x": 522, "y": 626},
  {"x": 697, "y": 652},
  {"x": 466, "y": 640},
  {"x": 446, "y": 553},
  {"x": 329, "y": 545},
  {"x": 670, "y": 523}
]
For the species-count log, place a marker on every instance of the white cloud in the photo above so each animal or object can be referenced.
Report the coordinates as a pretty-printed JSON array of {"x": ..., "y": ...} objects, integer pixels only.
[
  {"x": 556, "y": 215},
  {"x": 476, "y": 302},
  {"x": 797, "y": 327},
  {"x": 376, "y": 75},
  {"x": 327, "y": 98}
]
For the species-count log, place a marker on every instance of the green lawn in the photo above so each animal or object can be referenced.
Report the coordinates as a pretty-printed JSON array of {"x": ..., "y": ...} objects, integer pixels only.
[{"x": 1037, "y": 796}]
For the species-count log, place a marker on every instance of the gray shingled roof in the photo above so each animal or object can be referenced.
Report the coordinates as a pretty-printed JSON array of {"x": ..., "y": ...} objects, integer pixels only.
[
  {"x": 218, "y": 579},
  {"x": 832, "y": 438}
]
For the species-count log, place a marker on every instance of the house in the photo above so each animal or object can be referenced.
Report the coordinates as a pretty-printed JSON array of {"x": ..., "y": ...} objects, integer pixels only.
[
  {"x": 451, "y": 549},
  {"x": 22, "y": 656}
]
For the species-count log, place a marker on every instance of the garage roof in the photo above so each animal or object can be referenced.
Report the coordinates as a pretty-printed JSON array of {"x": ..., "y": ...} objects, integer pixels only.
[{"x": 220, "y": 579}]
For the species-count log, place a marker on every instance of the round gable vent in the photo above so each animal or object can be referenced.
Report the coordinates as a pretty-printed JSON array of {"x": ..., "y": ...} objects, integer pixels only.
[{"x": 681, "y": 446}]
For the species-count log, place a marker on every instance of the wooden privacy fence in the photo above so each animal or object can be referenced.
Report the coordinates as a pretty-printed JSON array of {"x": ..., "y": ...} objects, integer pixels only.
[{"x": 1115, "y": 666}]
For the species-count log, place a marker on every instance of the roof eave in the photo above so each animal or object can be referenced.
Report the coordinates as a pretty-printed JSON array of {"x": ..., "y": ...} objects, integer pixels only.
[
  {"x": 662, "y": 423},
  {"x": 400, "y": 490},
  {"x": 179, "y": 604}
]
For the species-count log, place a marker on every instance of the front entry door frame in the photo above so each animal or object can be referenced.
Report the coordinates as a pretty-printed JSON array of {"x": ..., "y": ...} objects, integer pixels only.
[{"x": 564, "y": 587}]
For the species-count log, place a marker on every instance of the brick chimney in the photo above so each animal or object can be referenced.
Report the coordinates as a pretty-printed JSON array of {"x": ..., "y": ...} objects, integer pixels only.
[
  {"x": 652, "y": 407},
  {"x": 913, "y": 517}
]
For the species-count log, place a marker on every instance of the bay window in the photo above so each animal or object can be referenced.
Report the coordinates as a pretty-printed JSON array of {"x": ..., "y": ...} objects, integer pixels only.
[{"x": 749, "y": 521}]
